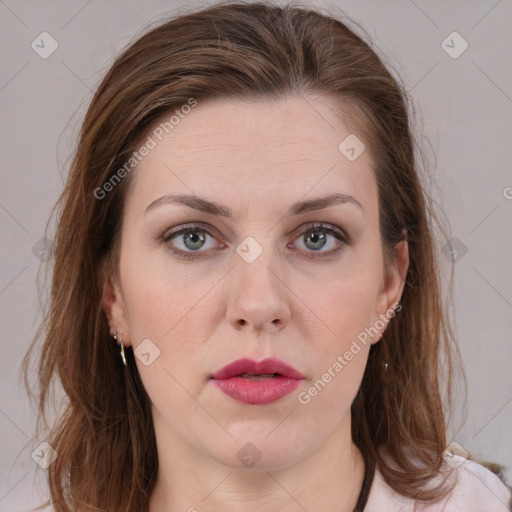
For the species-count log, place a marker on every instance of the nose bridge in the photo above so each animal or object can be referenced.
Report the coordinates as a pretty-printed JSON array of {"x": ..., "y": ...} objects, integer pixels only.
[
  {"x": 258, "y": 296},
  {"x": 254, "y": 267}
]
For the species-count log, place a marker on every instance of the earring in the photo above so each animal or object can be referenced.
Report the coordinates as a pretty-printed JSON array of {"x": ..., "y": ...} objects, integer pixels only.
[{"x": 120, "y": 342}]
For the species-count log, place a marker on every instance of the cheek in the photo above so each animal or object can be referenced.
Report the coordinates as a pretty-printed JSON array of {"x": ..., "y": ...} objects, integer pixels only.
[
  {"x": 175, "y": 311},
  {"x": 339, "y": 355},
  {"x": 345, "y": 305},
  {"x": 156, "y": 296},
  {"x": 175, "y": 321},
  {"x": 346, "y": 300}
]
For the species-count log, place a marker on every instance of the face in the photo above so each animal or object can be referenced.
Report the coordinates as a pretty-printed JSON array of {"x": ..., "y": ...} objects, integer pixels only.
[{"x": 269, "y": 280}]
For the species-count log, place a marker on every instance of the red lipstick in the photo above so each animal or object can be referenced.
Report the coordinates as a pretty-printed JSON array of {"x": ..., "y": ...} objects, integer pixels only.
[{"x": 257, "y": 382}]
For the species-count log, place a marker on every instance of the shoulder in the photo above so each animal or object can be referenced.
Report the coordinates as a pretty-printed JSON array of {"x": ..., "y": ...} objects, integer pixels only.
[{"x": 476, "y": 489}]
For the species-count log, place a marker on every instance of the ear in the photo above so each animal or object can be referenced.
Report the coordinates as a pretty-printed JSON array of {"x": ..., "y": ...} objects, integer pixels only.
[
  {"x": 114, "y": 306},
  {"x": 389, "y": 295}
]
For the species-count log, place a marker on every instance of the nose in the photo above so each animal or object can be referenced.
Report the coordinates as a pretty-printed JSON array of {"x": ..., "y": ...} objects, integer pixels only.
[{"x": 258, "y": 296}]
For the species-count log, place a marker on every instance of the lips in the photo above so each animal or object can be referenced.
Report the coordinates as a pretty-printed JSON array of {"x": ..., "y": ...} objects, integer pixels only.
[
  {"x": 266, "y": 368},
  {"x": 257, "y": 383}
]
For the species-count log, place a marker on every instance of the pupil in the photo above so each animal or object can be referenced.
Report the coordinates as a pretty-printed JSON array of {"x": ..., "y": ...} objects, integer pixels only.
[
  {"x": 317, "y": 238},
  {"x": 193, "y": 237}
]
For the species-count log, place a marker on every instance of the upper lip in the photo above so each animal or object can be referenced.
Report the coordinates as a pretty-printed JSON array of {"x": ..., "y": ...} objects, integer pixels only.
[{"x": 268, "y": 365}]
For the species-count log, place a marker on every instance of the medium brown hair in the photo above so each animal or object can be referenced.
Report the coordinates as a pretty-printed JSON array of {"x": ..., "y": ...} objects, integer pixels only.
[{"x": 104, "y": 437}]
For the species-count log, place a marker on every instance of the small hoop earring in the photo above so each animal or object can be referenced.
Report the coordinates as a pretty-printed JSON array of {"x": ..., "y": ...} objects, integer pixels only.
[{"x": 120, "y": 342}]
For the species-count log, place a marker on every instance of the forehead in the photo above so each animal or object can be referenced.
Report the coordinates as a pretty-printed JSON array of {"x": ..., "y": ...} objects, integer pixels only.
[{"x": 253, "y": 148}]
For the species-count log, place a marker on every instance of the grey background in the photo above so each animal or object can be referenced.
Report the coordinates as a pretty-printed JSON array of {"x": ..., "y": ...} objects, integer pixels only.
[{"x": 464, "y": 108}]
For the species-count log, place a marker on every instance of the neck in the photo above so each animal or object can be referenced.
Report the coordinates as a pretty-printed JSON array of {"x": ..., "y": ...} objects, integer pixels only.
[{"x": 329, "y": 479}]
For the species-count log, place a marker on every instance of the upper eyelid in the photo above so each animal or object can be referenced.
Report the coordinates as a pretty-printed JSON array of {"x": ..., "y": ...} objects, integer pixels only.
[{"x": 188, "y": 226}]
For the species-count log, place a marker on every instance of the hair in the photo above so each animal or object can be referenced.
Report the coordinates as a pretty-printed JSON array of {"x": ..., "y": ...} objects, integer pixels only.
[{"x": 104, "y": 435}]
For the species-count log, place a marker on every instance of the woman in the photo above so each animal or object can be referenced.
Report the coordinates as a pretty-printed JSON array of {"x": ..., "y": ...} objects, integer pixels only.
[{"x": 246, "y": 313}]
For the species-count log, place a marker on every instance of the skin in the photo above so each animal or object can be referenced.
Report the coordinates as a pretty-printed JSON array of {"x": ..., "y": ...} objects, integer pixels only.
[{"x": 258, "y": 158}]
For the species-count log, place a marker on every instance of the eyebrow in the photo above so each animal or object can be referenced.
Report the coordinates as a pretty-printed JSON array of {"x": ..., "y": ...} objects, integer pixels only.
[{"x": 298, "y": 208}]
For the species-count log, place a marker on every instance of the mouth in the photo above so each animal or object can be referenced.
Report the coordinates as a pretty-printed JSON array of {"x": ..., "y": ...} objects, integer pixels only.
[{"x": 257, "y": 383}]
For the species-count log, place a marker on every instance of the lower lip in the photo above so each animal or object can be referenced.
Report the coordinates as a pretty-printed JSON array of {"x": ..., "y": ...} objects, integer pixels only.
[{"x": 257, "y": 392}]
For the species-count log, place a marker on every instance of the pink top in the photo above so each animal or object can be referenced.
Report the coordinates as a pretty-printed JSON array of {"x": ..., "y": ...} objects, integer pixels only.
[{"x": 477, "y": 489}]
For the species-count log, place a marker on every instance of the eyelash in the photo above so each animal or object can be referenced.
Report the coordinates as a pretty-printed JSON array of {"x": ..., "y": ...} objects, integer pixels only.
[{"x": 336, "y": 233}]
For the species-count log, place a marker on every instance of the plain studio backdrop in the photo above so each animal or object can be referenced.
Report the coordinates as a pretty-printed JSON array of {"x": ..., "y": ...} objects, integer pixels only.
[{"x": 454, "y": 58}]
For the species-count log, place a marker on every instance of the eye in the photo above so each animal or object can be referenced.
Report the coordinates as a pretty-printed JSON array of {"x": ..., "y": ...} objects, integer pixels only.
[
  {"x": 189, "y": 240},
  {"x": 316, "y": 237}
]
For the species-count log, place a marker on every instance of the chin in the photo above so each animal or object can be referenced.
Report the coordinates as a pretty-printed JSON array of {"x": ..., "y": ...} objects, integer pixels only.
[{"x": 260, "y": 451}]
